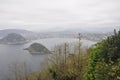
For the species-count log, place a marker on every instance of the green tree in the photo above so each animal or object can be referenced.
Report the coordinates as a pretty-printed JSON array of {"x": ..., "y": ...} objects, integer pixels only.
[{"x": 105, "y": 59}]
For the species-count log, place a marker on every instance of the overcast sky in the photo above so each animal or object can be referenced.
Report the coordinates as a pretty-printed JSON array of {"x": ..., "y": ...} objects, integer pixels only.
[{"x": 59, "y": 14}]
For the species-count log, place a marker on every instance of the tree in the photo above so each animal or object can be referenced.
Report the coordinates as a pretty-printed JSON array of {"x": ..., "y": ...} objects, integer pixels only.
[{"x": 105, "y": 59}]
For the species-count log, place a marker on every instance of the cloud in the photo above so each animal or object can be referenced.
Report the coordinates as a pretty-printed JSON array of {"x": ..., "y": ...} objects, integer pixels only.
[{"x": 44, "y": 14}]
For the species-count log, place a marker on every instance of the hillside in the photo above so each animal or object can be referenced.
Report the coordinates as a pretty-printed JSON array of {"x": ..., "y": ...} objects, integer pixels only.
[
  {"x": 13, "y": 38},
  {"x": 37, "y": 48},
  {"x": 25, "y": 33},
  {"x": 104, "y": 61}
]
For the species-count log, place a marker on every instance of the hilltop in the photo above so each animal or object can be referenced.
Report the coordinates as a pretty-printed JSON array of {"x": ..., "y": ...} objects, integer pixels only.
[
  {"x": 37, "y": 48},
  {"x": 13, "y": 38}
]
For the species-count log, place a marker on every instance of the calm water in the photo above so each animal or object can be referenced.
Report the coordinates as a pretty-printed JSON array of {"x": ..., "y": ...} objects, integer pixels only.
[{"x": 11, "y": 55}]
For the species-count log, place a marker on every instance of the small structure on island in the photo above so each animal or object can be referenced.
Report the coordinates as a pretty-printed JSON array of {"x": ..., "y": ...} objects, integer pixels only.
[{"x": 38, "y": 49}]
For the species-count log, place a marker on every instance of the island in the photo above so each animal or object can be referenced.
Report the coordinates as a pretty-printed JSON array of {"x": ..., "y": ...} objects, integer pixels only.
[
  {"x": 37, "y": 48},
  {"x": 13, "y": 38}
]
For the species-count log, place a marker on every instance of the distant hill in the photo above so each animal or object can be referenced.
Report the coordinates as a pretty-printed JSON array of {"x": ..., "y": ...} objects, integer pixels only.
[
  {"x": 85, "y": 35},
  {"x": 37, "y": 48},
  {"x": 94, "y": 34},
  {"x": 13, "y": 38},
  {"x": 7, "y": 31},
  {"x": 27, "y": 34}
]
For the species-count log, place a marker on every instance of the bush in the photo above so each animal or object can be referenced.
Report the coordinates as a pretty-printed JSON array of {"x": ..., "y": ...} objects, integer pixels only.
[{"x": 105, "y": 59}]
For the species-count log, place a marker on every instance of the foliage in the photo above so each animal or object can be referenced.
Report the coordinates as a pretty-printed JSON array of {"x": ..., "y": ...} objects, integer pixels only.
[
  {"x": 105, "y": 59},
  {"x": 71, "y": 67}
]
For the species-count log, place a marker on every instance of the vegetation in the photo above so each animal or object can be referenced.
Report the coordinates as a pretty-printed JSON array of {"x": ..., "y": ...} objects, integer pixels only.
[
  {"x": 37, "y": 48},
  {"x": 105, "y": 59},
  {"x": 102, "y": 62},
  {"x": 13, "y": 38},
  {"x": 68, "y": 66}
]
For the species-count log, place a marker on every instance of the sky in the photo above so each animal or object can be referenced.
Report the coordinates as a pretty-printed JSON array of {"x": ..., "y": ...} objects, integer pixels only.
[{"x": 59, "y": 14}]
